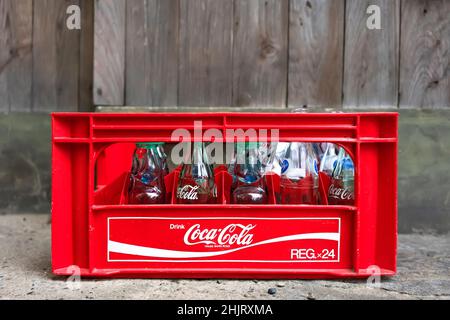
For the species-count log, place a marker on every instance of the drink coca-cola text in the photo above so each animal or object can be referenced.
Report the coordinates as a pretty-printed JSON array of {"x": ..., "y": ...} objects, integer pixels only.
[{"x": 229, "y": 235}]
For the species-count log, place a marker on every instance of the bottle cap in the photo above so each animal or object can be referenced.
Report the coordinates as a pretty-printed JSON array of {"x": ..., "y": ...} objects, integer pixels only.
[
  {"x": 247, "y": 145},
  {"x": 251, "y": 144},
  {"x": 148, "y": 145}
]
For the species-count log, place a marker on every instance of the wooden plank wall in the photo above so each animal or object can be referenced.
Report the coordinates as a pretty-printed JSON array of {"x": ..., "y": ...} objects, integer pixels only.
[
  {"x": 425, "y": 54},
  {"x": 279, "y": 53},
  {"x": 260, "y": 53},
  {"x": 109, "y": 52},
  {"x": 371, "y": 65},
  {"x": 16, "y": 27},
  {"x": 243, "y": 53},
  {"x": 43, "y": 65},
  {"x": 151, "y": 67},
  {"x": 205, "y": 53},
  {"x": 316, "y": 49},
  {"x": 56, "y": 54}
]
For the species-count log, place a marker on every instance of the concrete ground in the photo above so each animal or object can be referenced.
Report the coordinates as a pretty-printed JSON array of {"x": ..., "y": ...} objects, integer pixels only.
[{"x": 423, "y": 273}]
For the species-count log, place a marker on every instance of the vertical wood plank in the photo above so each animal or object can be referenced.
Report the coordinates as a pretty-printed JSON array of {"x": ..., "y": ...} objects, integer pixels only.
[
  {"x": 86, "y": 101},
  {"x": 260, "y": 53},
  {"x": 205, "y": 72},
  {"x": 56, "y": 52},
  {"x": 316, "y": 53},
  {"x": 109, "y": 52},
  {"x": 425, "y": 54},
  {"x": 16, "y": 17},
  {"x": 152, "y": 52},
  {"x": 371, "y": 64}
]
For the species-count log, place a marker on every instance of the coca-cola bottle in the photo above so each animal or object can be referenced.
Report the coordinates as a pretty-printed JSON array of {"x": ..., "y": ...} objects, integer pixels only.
[
  {"x": 196, "y": 183},
  {"x": 341, "y": 190},
  {"x": 299, "y": 175},
  {"x": 249, "y": 186},
  {"x": 146, "y": 179}
]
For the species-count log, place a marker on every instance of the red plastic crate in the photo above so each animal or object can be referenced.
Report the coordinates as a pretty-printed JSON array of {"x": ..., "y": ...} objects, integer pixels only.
[{"x": 94, "y": 230}]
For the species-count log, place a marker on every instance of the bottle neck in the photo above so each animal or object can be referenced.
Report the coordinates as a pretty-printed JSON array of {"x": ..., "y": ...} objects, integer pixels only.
[
  {"x": 343, "y": 163},
  {"x": 200, "y": 167},
  {"x": 247, "y": 153},
  {"x": 197, "y": 153},
  {"x": 298, "y": 155},
  {"x": 252, "y": 153}
]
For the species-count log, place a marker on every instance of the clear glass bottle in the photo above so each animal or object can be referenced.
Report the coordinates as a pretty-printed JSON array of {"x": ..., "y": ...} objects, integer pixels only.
[
  {"x": 146, "y": 179},
  {"x": 163, "y": 157},
  {"x": 329, "y": 159},
  {"x": 299, "y": 182},
  {"x": 196, "y": 183},
  {"x": 249, "y": 186},
  {"x": 341, "y": 191}
]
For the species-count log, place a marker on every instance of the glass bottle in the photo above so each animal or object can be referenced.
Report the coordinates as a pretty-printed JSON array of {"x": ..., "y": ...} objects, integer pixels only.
[
  {"x": 341, "y": 190},
  {"x": 146, "y": 179},
  {"x": 163, "y": 158},
  {"x": 299, "y": 182},
  {"x": 329, "y": 159},
  {"x": 249, "y": 186},
  {"x": 196, "y": 183}
]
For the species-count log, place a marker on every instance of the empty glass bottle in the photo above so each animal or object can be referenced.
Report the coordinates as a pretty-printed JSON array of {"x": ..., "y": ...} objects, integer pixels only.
[
  {"x": 163, "y": 158},
  {"x": 249, "y": 185},
  {"x": 146, "y": 179},
  {"x": 299, "y": 175},
  {"x": 196, "y": 183},
  {"x": 341, "y": 191},
  {"x": 329, "y": 159}
]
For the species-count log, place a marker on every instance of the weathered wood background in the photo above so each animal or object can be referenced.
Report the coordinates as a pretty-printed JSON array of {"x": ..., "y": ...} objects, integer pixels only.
[{"x": 243, "y": 53}]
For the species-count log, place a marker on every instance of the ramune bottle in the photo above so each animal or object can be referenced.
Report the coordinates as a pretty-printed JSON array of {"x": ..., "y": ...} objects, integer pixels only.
[
  {"x": 249, "y": 185},
  {"x": 163, "y": 158},
  {"x": 146, "y": 179}
]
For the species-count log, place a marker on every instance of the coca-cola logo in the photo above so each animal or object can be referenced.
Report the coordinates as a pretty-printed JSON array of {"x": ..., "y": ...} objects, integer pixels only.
[
  {"x": 340, "y": 193},
  {"x": 232, "y": 234},
  {"x": 188, "y": 192}
]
